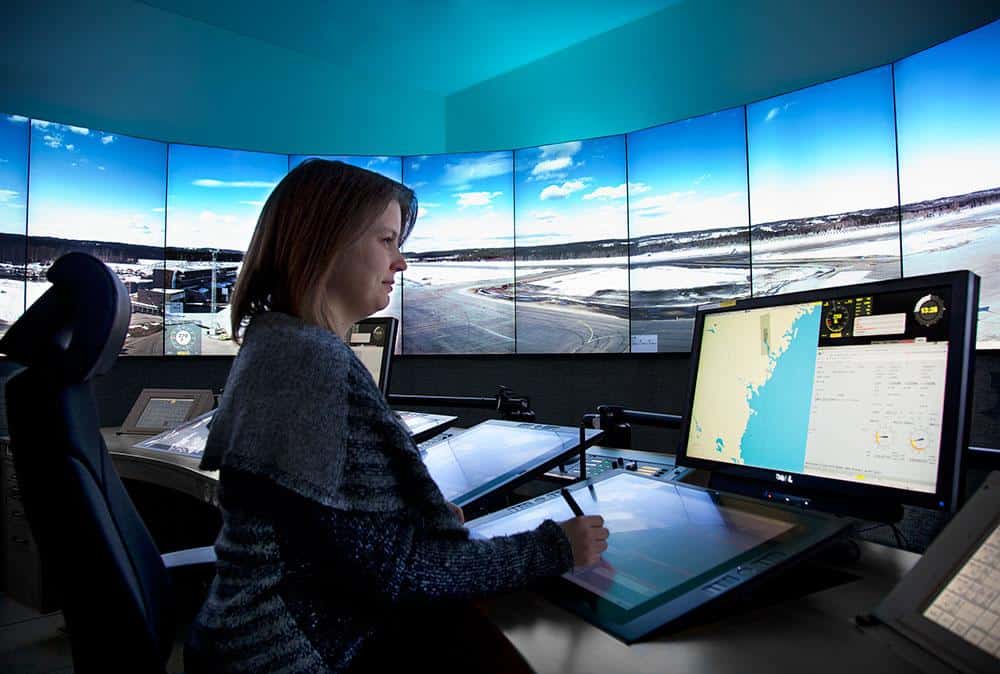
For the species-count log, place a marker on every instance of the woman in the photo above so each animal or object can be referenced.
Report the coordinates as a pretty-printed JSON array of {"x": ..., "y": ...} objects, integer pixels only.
[{"x": 335, "y": 542}]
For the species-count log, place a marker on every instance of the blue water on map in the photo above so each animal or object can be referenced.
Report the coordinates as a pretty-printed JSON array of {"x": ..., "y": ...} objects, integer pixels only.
[{"x": 775, "y": 436}]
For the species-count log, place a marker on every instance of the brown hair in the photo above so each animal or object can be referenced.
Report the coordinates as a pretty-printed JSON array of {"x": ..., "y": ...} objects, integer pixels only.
[{"x": 320, "y": 208}]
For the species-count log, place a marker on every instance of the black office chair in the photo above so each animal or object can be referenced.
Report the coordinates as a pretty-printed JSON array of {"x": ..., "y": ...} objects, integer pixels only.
[{"x": 113, "y": 583}]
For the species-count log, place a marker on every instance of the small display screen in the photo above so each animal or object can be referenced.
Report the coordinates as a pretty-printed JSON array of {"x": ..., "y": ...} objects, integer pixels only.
[
  {"x": 164, "y": 412},
  {"x": 969, "y": 604},
  {"x": 370, "y": 341},
  {"x": 493, "y": 453}
]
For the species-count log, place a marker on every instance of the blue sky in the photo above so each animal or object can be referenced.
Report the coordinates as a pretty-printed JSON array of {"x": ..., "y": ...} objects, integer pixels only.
[
  {"x": 466, "y": 200},
  {"x": 92, "y": 185},
  {"x": 215, "y": 195},
  {"x": 826, "y": 149},
  {"x": 948, "y": 112},
  {"x": 689, "y": 175},
  {"x": 13, "y": 173},
  {"x": 571, "y": 192},
  {"x": 390, "y": 167}
]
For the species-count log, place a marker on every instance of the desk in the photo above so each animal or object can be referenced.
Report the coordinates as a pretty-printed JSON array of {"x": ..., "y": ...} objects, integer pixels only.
[
  {"x": 174, "y": 471},
  {"x": 814, "y": 633}
]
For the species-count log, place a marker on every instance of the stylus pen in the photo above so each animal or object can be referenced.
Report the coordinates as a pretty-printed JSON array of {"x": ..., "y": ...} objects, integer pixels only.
[{"x": 573, "y": 505}]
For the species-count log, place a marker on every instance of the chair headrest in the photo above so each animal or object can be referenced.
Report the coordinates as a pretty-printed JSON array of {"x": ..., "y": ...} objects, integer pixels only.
[{"x": 76, "y": 329}]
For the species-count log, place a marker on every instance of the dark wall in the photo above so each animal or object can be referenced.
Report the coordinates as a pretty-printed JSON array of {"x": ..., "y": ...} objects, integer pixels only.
[{"x": 561, "y": 388}]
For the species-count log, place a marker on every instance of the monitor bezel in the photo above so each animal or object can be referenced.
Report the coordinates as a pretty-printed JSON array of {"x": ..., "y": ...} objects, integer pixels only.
[
  {"x": 391, "y": 326},
  {"x": 837, "y": 495}
]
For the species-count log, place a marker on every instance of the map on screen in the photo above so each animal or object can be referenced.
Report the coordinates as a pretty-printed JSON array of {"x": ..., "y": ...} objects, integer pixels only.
[{"x": 767, "y": 363}]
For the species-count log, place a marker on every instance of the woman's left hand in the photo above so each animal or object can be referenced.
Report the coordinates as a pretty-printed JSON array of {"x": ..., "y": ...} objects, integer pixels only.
[{"x": 458, "y": 512}]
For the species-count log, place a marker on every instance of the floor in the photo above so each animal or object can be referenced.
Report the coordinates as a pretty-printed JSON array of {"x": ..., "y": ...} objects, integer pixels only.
[{"x": 35, "y": 643}]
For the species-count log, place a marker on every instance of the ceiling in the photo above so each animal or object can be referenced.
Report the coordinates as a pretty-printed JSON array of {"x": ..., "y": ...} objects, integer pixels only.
[{"x": 439, "y": 46}]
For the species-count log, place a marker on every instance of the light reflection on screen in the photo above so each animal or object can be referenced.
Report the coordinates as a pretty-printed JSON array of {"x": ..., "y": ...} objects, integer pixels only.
[
  {"x": 662, "y": 535},
  {"x": 491, "y": 453}
]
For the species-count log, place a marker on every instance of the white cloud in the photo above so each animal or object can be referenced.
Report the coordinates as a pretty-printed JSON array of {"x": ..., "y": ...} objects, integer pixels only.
[
  {"x": 469, "y": 169},
  {"x": 105, "y": 140},
  {"x": 213, "y": 218},
  {"x": 660, "y": 204},
  {"x": 54, "y": 142},
  {"x": 551, "y": 165},
  {"x": 777, "y": 110},
  {"x": 476, "y": 198},
  {"x": 71, "y": 147},
  {"x": 8, "y": 195},
  {"x": 422, "y": 213},
  {"x": 414, "y": 166},
  {"x": 40, "y": 123},
  {"x": 545, "y": 216},
  {"x": 17, "y": 119},
  {"x": 607, "y": 192},
  {"x": 158, "y": 210},
  {"x": 561, "y": 191},
  {"x": 374, "y": 161},
  {"x": 211, "y": 182},
  {"x": 80, "y": 130},
  {"x": 561, "y": 149},
  {"x": 101, "y": 168},
  {"x": 258, "y": 204}
]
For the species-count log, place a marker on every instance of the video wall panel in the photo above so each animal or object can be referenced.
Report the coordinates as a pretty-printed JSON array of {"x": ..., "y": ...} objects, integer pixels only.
[
  {"x": 688, "y": 225},
  {"x": 602, "y": 245},
  {"x": 948, "y": 116},
  {"x": 458, "y": 289},
  {"x": 214, "y": 199},
  {"x": 823, "y": 193},
  {"x": 100, "y": 193},
  {"x": 14, "y": 133},
  {"x": 571, "y": 247}
]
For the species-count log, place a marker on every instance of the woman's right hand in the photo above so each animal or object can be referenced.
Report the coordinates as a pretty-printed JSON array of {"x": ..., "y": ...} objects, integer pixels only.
[{"x": 588, "y": 537}]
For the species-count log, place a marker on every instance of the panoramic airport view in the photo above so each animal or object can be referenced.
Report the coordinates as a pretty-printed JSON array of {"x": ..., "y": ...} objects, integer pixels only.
[{"x": 602, "y": 245}]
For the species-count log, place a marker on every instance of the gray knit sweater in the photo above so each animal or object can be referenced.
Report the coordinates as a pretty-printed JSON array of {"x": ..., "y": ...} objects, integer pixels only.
[{"x": 331, "y": 522}]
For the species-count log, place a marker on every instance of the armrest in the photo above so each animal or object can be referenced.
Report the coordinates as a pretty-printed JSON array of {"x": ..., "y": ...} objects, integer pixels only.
[{"x": 189, "y": 557}]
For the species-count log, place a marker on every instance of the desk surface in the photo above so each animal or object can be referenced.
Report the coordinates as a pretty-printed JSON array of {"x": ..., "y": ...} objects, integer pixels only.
[{"x": 813, "y": 633}]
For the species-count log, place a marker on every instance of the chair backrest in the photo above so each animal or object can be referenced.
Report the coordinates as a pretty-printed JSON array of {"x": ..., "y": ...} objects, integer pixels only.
[{"x": 92, "y": 542}]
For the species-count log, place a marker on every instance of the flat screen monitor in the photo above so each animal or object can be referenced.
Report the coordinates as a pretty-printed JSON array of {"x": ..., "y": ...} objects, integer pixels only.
[
  {"x": 159, "y": 409},
  {"x": 673, "y": 547},
  {"x": 495, "y": 453},
  {"x": 852, "y": 396},
  {"x": 373, "y": 341}
]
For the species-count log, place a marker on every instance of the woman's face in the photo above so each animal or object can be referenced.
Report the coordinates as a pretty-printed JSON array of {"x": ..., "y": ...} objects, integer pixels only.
[{"x": 363, "y": 277}]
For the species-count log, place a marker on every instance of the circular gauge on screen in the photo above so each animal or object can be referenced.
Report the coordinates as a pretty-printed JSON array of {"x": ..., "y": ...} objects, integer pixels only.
[
  {"x": 182, "y": 337},
  {"x": 838, "y": 316},
  {"x": 929, "y": 310}
]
